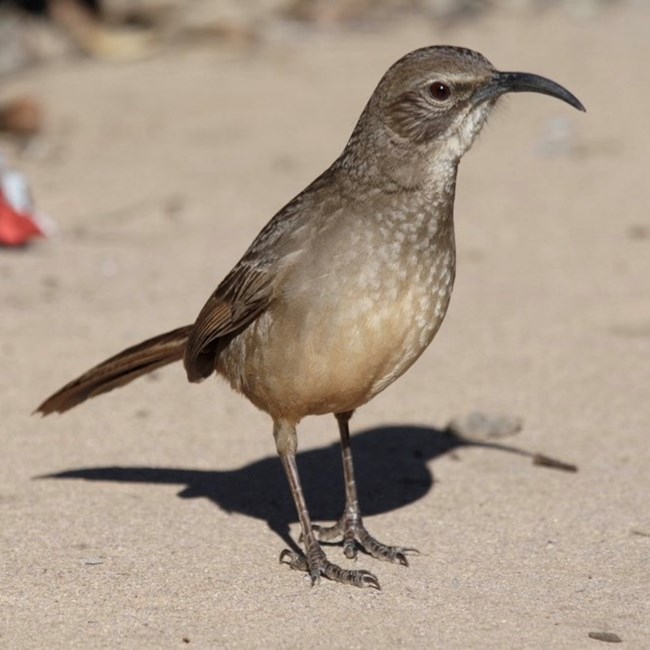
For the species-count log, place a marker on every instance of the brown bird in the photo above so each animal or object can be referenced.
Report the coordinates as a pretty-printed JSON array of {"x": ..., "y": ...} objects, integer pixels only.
[{"x": 347, "y": 285}]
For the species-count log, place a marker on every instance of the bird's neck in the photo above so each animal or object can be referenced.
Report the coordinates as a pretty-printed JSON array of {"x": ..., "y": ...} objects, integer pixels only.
[
  {"x": 377, "y": 158},
  {"x": 419, "y": 175}
]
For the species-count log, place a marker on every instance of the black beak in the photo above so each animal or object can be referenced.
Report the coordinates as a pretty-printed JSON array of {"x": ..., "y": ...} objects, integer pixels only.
[{"x": 521, "y": 82}]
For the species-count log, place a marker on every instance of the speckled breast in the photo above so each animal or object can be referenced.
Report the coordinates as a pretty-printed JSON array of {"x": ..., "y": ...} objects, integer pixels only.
[{"x": 348, "y": 325}]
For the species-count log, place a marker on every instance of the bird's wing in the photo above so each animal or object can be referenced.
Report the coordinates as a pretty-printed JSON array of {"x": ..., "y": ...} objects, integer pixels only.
[
  {"x": 242, "y": 296},
  {"x": 249, "y": 288}
]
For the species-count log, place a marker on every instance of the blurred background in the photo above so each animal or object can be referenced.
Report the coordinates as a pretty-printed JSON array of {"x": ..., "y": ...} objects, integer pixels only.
[{"x": 127, "y": 82}]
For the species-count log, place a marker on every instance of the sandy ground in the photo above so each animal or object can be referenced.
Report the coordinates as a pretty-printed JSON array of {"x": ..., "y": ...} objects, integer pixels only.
[{"x": 159, "y": 174}]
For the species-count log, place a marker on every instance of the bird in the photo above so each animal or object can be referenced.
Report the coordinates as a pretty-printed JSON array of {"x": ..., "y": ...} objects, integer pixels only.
[{"x": 346, "y": 286}]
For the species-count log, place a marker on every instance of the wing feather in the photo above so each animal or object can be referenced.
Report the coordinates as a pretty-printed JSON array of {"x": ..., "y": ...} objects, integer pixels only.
[{"x": 242, "y": 296}]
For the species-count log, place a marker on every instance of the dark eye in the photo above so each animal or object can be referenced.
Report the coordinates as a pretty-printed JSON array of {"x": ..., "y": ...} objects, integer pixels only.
[{"x": 439, "y": 91}]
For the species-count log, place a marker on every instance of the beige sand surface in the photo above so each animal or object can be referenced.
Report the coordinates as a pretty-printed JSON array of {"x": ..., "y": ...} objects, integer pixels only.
[{"x": 159, "y": 173}]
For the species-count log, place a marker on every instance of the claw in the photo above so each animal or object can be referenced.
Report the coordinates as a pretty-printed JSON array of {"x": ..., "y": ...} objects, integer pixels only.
[
  {"x": 399, "y": 555},
  {"x": 295, "y": 560},
  {"x": 355, "y": 537},
  {"x": 318, "y": 565},
  {"x": 382, "y": 551},
  {"x": 370, "y": 580}
]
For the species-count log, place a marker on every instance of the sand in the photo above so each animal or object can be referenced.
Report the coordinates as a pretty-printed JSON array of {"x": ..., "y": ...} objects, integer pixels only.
[{"x": 165, "y": 524}]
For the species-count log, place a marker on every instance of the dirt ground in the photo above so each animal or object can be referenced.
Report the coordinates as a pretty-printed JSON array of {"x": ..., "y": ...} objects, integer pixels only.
[{"x": 165, "y": 522}]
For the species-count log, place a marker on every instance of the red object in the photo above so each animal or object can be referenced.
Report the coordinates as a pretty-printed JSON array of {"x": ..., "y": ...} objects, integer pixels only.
[{"x": 16, "y": 228}]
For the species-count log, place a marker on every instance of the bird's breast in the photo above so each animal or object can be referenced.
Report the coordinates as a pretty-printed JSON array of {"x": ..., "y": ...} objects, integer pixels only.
[{"x": 352, "y": 317}]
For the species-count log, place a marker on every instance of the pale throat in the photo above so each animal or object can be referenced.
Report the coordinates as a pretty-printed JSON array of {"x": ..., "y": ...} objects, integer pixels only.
[{"x": 465, "y": 131}]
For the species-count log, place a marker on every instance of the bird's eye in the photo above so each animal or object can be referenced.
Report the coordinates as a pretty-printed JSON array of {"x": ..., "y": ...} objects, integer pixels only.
[{"x": 439, "y": 91}]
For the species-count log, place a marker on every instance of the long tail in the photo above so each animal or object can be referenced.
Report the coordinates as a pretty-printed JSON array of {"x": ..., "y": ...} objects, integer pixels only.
[{"x": 119, "y": 370}]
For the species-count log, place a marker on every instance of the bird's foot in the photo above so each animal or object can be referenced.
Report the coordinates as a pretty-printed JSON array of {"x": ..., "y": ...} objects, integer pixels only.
[
  {"x": 354, "y": 536},
  {"x": 316, "y": 564}
]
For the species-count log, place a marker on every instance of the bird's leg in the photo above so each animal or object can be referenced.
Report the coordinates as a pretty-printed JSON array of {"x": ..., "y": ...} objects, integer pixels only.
[
  {"x": 313, "y": 561},
  {"x": 350, "y": 525}
]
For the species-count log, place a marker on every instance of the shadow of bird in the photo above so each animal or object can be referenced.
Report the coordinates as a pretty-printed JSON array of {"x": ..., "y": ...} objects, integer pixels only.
[{"x": 392, "y": 466}]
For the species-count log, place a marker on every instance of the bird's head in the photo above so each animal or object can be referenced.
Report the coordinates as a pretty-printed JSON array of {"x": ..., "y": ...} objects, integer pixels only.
[{"x": 443, "y": 95}]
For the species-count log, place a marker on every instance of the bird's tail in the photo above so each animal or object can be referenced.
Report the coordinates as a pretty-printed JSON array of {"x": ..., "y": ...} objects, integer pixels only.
[{"x": 119, "y": 370}]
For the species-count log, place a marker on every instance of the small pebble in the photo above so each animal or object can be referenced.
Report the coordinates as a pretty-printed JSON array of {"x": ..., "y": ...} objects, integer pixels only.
[
  {"x": 485, "y": 425},
  {"x": 21, "y": 116},
  {"x": 609, "y": 637}
]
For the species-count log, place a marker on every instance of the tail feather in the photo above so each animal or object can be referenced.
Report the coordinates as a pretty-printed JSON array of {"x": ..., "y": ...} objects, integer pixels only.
[{"x": 119, "y": 370}]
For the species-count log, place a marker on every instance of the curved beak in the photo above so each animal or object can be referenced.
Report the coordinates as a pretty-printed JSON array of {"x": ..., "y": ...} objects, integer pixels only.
[{"x": 521, "y": 82}]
